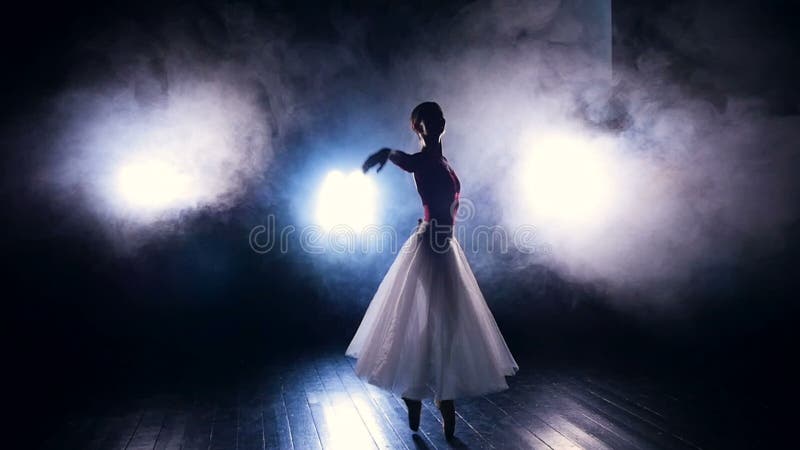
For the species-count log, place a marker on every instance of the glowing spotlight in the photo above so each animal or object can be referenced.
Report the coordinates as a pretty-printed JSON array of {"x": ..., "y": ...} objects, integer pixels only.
[
  {"x": 152, "y": 185},
  {"x": 347, "y": 200},
  {"x": 566, "y": 179}
]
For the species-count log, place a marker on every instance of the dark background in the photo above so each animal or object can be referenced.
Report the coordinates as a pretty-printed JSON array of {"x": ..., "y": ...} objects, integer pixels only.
[{"x": 84, "y": 317}]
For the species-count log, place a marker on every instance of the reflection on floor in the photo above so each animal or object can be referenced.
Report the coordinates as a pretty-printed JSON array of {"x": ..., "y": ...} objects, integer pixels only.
[{"x": 316, "y": 401}]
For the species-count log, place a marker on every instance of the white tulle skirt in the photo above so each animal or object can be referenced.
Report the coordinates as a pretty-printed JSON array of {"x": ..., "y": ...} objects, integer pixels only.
[{"x": 428, "y": 331}]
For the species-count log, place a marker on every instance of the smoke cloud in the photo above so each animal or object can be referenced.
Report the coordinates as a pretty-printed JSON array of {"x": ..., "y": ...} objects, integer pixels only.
[
  {"x": 699, "y": 177},
  {"x": 155, "y": 125},
  {"x": 702, "y": 171}
]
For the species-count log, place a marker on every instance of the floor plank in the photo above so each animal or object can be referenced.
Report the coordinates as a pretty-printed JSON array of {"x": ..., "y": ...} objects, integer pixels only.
[
  {"x": 199, "y": 426},
  {"x": 495, "y": 427},
  {"x": 466, "y": 436},
  {"x": 250, "y": 430},
  {"x": 550, "y": 398},
  {"x": 226, "y": 422},
  {"x": 348, "y": 426},
  {"x": 394, "y": 415},
  {"x": 144, "y": 438},
  {"x": 170, "y": 437},
  {"x": 647, "y": 435},
  {"x": 378, "y": 428},
  {"x": 116, "y": 431},
  {"x": 317, "y": 402},
  {"x": 301, "y": 423},
  {"x": 532, "y": 421},
  {"x": 275, "y": 421}
]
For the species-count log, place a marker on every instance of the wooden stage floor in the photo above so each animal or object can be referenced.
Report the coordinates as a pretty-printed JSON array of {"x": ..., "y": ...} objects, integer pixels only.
[{"x": 316, "y": 402}]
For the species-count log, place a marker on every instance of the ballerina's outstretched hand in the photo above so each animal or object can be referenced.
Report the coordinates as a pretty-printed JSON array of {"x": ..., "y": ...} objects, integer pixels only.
[{"x": 378, "y": 158}]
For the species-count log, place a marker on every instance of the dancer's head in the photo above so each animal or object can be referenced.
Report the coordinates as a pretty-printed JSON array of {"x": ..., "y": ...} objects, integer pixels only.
[{"x": 427, "y": 120}]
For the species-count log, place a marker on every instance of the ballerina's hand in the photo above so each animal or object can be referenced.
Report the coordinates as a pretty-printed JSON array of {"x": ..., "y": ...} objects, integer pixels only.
[{"x": 378, "y": 158}]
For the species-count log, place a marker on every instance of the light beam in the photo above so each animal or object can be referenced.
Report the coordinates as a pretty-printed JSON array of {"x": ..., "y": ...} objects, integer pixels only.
[
  {"x": 347, "y": 200},
  {"x": 566, "y": 179}
]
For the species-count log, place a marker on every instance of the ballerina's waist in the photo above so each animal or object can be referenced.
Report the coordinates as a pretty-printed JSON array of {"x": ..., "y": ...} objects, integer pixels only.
[{"x": 441, "y": 217}]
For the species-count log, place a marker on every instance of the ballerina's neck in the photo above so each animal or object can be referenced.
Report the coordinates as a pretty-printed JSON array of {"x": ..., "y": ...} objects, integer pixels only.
[{"x": 434, "y": 148}]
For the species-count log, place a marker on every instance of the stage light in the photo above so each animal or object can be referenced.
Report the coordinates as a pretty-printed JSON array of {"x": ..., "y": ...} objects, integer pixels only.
[
  {"x": 566, "y": 179},
  {"x": 152, "y": 185},
  {"x": 139, "y": 164},
  {"x": 346, "y": 200}
]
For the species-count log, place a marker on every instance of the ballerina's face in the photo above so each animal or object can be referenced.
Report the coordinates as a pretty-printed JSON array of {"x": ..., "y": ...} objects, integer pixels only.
[{"x": 418, "y": 128}]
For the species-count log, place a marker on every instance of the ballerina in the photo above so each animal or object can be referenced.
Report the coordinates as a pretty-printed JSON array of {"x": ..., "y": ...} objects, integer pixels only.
[{"x": 428, "y": 332}]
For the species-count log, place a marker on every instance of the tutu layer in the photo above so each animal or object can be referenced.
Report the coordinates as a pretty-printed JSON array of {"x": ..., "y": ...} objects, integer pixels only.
[{"x": 428, "y": 331}]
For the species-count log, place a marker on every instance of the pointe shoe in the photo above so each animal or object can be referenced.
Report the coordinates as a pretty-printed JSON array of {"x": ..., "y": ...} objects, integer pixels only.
[
  {"x": 414, "y": 411},
  {"x": 448, "y": 410}
]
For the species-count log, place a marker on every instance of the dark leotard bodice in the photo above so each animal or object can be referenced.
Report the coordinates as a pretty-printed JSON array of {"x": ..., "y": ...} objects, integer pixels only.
[{"x": 437, "y": 184}]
